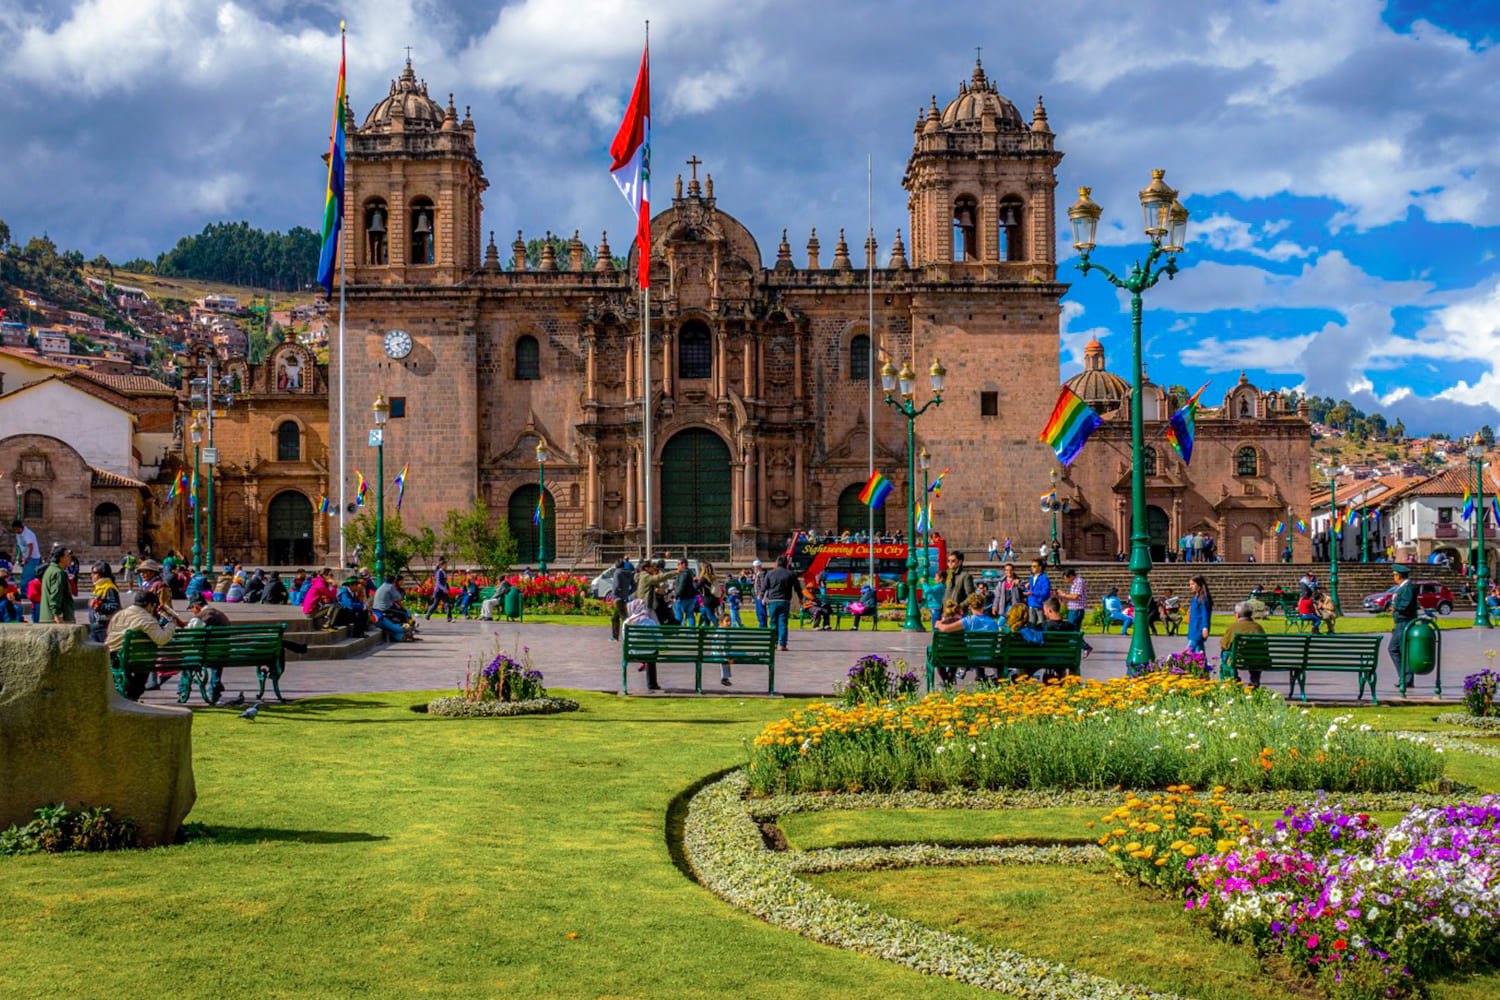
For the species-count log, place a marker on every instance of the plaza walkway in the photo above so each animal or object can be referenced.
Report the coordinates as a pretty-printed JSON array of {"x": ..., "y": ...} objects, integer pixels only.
[{"x": 583, "y": 657}]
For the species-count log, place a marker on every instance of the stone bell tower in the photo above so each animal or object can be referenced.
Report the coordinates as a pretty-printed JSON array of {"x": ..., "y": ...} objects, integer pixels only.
[
  {"x": 980, "y": 186},
  {"x": 412, "y": 191}
]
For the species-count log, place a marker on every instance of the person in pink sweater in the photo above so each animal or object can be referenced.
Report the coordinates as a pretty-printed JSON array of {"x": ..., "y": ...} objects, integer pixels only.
[{"x": 319, "y": 592}]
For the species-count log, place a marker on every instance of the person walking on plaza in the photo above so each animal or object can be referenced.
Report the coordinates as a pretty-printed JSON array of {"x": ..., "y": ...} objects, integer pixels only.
[
  {"x": 1009, "y": 592},
  {"x": 1244, "y": 623},
  {"x": 781, "y": 585},
  {"x": 440, "y": 593},
  {"x": 1404, "y": 611},
  {"x": 104, "y": 603},
  {"x": 958, "y": 585},
  {"x": 57, "y": 596},
  {"x": 758, "y": 591},
  {"x": 994, "y": 549},
  {"x": 622, "y": 589},
  {"x": 684, "y": 594},
  {"x": 1010, "y": 552},
  {"x": 1200, "y": 614},
  {"x": 127, "y": 570},
  {"x": 1077, "y": 598},
  {"x": 28, "y": 559},
  {"x": 1037, "y": 591}
]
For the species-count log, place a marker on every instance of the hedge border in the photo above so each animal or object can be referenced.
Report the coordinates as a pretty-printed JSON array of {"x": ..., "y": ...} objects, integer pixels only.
[{"x": 460, "y": 708}]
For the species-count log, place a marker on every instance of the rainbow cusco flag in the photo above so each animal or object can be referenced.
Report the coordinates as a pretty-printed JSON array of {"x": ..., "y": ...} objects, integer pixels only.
[
  {"x": 1069, "y": 427},
  {"x": 875, "y": 491}
]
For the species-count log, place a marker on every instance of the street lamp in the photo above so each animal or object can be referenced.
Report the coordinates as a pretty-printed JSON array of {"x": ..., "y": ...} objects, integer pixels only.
[
  {"x": 1166, "y": 227},
  {"x": 1481, "y": 564},
  {"x": 195, "y": 431},
  {"x": 382, "y": 412},
  {"x": 924, "y": 462},
  {"x": 1054, "y": 506},
  {"x": 541, "y": 508},
  {"x": 906, "y": 379}
]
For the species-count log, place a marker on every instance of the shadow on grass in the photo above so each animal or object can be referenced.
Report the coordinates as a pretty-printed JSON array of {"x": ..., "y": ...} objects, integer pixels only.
[
  {"x": 199, "y": 833},
  {"x": 676, "y": 820}
]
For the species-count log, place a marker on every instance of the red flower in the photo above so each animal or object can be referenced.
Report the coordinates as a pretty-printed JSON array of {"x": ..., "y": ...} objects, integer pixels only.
[{"x": 1340, "y": 945}]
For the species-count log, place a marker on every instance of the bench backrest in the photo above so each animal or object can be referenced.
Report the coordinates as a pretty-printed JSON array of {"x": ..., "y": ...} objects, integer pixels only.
[
  {"x": 685, "y": 640},
  {"x": 959, "y": 648},
  {"x": 1055, "y": 649},
  {"x": 240, "y": 643},
  {"x": 183, "y": 650},
  {"x": 1250, "y": 650}
]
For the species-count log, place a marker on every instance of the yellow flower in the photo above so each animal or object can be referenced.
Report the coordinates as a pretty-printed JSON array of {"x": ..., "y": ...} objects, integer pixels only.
[
  {"x": 1133, "y": 846},
  {"x": 1189, "y": 850}
]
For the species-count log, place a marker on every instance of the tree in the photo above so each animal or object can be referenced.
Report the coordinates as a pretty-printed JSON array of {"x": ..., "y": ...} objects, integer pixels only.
[
  {"x": 400, "y": 545},
  {"x": 474, "y": 539},
  {"x": 4, "y": 236},
  {"x": 1487, "y": 435},
  {"x": 1398, "y": 430}
]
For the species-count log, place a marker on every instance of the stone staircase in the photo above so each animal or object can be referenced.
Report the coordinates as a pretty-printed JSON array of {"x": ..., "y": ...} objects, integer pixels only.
[{"x": 321, "y": 645}]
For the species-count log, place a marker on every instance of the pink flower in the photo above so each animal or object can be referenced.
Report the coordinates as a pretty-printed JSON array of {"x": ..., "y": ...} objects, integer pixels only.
[{"x": 1312, "y": 941}]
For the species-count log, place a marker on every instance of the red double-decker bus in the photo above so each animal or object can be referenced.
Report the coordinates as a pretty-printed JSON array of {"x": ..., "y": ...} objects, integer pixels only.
[{"x": 847, "y": 564}]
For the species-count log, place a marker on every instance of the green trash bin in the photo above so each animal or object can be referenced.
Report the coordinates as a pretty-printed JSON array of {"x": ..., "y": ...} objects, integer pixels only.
[
  {"x": 1422, "y": 652},
  {"x": 513, "y": 604}
]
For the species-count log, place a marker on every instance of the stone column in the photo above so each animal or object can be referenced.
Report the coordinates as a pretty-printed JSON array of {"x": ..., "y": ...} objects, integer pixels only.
[
  {"x": 799, "y": 489},
  {"x": 591, "y": 493},
  {"x": 669, "y": 356},
  {"x": 747, "y": 491},
  {"x": 591, "y": 343},
  {"x": 749, "y": 383},
  {"x": 797, "y": 340},
  {"x": 632, "y": 512}
]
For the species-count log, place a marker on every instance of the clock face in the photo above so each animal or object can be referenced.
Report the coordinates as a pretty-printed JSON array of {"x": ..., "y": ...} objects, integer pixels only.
[{"x": 397, "y": 344}]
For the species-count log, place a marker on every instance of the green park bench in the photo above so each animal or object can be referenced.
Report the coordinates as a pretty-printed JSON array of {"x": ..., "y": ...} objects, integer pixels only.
[
  {"x": 685, "y": 644},
  {"x": 839, "y": 603},
  {"x": 1300, "y": 655},
  {"x": 1004, "y": 651},
  {"x": 200, "y": 655}
]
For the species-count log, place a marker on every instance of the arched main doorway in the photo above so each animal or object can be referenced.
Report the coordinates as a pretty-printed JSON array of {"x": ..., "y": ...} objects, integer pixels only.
[
  {"x": 854, "y": 515},
  {"x": 520, "y": 514},
  {"x": 289, "y": 530},
  {"x": 695, "y": 490},
  {"x": 1159, "y": 529}
]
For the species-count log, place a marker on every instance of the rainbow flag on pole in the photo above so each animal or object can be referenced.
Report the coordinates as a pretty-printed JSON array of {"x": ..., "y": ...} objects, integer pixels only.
[
  {"x": 936, "y": 486},
  {"x": 1182, "y": 425},
  {"x": 193, "y": 490},
  {"x": 875, "y": 491},
  {"x": 536, "y": 517},
  {"x": 1468, "y": 503},
  {"x": 361, "y": 488},
  {"x": 1301, "y": 525},
  {"x": 333, "y": 195},
  {"x": 1069, "y": 426},
  {"x": 1279, "y": 528},
  {"x": 401, "y": 486},
  {"x": 924, "y": 517}
]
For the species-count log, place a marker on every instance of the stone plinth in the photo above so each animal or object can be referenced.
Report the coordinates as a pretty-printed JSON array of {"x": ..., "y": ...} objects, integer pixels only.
[{"x": 66, "y": 735}]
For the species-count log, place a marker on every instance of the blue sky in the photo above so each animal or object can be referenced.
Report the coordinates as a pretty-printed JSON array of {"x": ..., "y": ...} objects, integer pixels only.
[{"x": 1341, "y": 157}]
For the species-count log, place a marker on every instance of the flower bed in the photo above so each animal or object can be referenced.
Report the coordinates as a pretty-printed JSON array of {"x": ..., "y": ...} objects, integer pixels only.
[
  {"x": 874, "y": 679},
  {"x": 1151, "y": 731},
  {"x": 1153, "y": 839},
  {"x": 505, "y": 686},
  {"x": 1482, "y": 694},
  {"x": 1369, "y": 912},
  {"x": 457, "y": 707}
]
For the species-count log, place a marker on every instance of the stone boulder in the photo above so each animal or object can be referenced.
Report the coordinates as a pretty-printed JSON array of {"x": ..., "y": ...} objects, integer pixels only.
[{"x": 66, "y": 735}]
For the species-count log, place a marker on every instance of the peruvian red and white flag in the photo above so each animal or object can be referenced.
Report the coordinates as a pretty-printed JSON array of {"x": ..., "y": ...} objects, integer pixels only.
[{"x": 631, "y": 169}]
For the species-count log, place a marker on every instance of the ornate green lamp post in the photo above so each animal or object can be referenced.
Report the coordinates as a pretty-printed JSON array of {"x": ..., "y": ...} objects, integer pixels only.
[
  {"x": 1335, "y": 542},
  {"x": 1054, "y": 506},
  {"x": 541, "y": 507},
  {"x": 1481, "y": 564},
  {"x": 382, "y": 411},
  {"x": 924, "y": 461},
  {"x": 195, "y": 431},
  {"x": 1166, "y": 227},
  {"x": 907, "y": 407}
]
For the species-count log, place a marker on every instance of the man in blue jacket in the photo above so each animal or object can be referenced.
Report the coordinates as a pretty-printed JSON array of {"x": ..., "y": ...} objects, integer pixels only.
[{"x": 1037, "y": 591}]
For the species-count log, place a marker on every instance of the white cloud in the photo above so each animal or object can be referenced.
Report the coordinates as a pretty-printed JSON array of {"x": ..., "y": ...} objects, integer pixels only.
[
  {"x": 1226, "y": 234},
  {"x": 1073, "y": 341}
]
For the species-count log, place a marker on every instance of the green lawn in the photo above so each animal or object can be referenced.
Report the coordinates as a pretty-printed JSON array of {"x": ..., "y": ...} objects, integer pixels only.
[{"x": 358, "y": 849}]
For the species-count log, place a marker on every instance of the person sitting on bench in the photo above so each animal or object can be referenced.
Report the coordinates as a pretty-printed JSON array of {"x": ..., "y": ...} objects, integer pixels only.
[
  {"x": 351, "y": 609},
  {"x": 1243, "y": 624},
  {"x": 1307, "y": 611},
  {"x": 868, "y": 605},
  {"x": 1114, "y": 610},
  {"x": 975, "y": 620}
]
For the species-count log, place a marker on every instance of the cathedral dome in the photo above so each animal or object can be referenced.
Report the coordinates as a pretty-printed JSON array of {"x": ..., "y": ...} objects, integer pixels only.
[
  {"x": 974, "y": 100},
  {"x": 408, "y": 99},
  {"x": 1102, "y": 390}
]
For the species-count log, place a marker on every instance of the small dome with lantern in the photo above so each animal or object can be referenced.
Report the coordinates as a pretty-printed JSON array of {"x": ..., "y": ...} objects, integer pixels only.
[
  {"x": 407, "y": 100},
  {"x": 1102, "y": 390},
  {"x": 975, "y": 99}
]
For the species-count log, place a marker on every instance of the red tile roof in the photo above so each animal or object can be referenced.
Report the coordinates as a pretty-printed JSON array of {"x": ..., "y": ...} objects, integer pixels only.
[{"x": 99, "y": 477}]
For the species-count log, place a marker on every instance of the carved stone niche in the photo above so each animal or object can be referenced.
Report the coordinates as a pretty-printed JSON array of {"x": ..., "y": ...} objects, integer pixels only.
[
  {"x": 613, "y": 499},
  {"x": 780, "y": 498}
]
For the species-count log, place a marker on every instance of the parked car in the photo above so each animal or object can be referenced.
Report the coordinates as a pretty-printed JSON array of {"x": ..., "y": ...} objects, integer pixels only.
[
  {"x": 1430, "y": 596},
  {"x": 603, "y": 585}
]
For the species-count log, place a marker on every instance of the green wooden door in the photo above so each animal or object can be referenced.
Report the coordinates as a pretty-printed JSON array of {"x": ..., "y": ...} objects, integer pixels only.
[
  {"x": 695, "y": 490},
  {"x": 521, "y": 514},
  {"x": 289, "y": 530},
  {"x": 854, "y": 515},
  {"x": 1159, "y": 528}
]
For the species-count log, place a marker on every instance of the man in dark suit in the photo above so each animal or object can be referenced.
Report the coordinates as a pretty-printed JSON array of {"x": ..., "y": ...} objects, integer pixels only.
[{"x": 1404, "y": 611}]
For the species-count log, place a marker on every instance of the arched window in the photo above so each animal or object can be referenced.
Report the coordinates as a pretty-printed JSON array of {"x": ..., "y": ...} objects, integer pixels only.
[
  {"x": 423, "y": 228},
  {"x": 107, "y": 526},
  {"x": 859, "y": 358},
  {"x": 31, "y": 505},
  {"x": 1148, "y": 462},
  {"x": 1012, "y": 239},
  {"x": 528, "y": 360},
  {"x": 1244, "y": 406},
  {"x": 854, "y": 514},
  {"x": 695, "y": 353},
  {"x": 376, "y": 220},
  {"x": 288, "y": 442},
  {"x": 1246, "y": 462},
  {"x": 965, "y": 229}
]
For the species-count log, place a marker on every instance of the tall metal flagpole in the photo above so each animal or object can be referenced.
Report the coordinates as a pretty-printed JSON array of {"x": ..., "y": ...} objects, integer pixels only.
[
  {"x": 343, "y": 277},
  {"x": 643, "y": 259},
  {"x": 870, "y": 328}
]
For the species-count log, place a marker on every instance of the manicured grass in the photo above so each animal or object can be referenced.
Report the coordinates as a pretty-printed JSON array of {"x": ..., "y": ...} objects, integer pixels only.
[
  {"x": 959, "y": 827},
  {"x": 359, "y": 849},
  {"x": 1088, "y": 918},
  {"x": 1352, "y": 625}
]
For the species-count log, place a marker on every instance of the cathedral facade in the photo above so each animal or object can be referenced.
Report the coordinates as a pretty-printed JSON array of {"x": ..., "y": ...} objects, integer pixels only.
[{"x": 759, "y": 374}]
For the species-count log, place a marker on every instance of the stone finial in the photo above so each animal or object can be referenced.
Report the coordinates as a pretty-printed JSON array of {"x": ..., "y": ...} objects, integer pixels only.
[
  {"x": 450, "y": 115},
  {"x": 921, "y": 120},
  {"x": 841, "y": 260},
  {"x": 549, "y": 255},
  {"x": 932, "y": 116},
  {"x": 518, "y": 253},
  {"x": 872, "y": 252},
  {"x": 468, "y": 122},
  {"x": 784, "y": 254},
  {"x": 349, "y": 119},
  {"x": 677, "y": 190},
  {"x": 492, "y": 254},
  {"x": 708, "y": 185},
  {"x": 812, "y": 250},
  {"x": 575, "y": 253},
  {"x": 604, "y": 260},
  {"x": 1039, "y": 117},
  {"x": 898, "y": 253}
]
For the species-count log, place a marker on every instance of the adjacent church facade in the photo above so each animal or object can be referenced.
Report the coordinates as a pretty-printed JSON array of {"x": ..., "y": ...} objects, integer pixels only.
[{"x": 759, "y": 373}]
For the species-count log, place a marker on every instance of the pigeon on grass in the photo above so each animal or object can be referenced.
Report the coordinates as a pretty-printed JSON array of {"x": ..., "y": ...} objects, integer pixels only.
[{"x": 251, "y": 712}]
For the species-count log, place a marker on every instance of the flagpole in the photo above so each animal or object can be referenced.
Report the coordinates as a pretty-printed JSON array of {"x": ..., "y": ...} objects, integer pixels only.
[
  {"x": 645, "y": 261},
  {"x": 343, "y": 278},
  {"x": 870, "y": 326}
]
